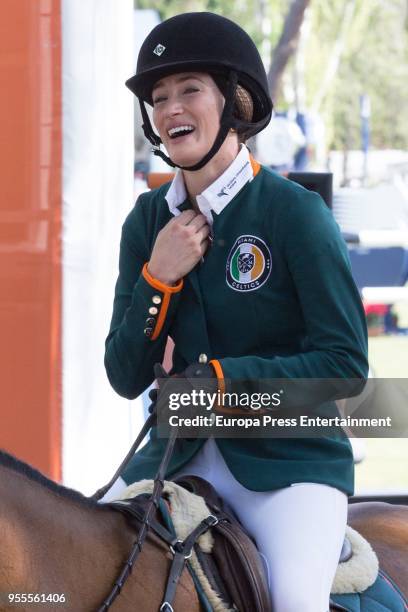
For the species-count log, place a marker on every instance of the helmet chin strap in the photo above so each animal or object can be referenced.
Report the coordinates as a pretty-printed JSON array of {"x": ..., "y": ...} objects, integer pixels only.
[{"x": 227, "y": 121}]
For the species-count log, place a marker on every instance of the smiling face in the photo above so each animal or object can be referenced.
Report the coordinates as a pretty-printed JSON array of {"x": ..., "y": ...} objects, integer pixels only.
[{"x": 186, "y": 112}]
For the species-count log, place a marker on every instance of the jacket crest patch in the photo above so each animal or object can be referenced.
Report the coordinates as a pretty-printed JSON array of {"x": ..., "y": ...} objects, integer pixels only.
[{"x": 249, "y": 264}]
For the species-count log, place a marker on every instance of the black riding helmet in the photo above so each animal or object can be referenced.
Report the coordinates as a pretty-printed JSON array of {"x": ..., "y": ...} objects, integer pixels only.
[{"x": 204, "y": 42}]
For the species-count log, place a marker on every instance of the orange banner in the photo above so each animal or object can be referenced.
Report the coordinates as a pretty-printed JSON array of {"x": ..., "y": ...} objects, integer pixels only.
[{"x": 30, "y": 232}]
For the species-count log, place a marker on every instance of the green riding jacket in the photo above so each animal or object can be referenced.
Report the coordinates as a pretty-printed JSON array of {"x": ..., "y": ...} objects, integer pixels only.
[{"x": 291, "y": 311}]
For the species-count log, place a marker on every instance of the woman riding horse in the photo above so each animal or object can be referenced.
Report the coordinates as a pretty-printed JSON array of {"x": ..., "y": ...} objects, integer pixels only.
[{"x": 248, "y": 274}]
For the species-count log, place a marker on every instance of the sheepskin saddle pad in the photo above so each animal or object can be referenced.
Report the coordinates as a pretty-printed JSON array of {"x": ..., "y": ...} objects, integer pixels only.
[{"x": 192, "y": 499}]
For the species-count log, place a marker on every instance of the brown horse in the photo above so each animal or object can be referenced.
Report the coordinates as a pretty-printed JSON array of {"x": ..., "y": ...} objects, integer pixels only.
[{"x": 56, "y": 541}]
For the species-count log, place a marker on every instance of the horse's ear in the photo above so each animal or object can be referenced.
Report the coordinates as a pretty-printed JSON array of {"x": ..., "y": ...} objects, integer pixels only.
[{"x": 159, "y": 371}]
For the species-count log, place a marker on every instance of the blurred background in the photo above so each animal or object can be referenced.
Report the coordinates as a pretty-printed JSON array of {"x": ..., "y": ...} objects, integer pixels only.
[{"x": 74, "y": 159}]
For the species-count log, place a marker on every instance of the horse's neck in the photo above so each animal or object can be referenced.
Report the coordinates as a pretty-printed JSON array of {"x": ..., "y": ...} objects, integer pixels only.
[
  {"x": 53, "y": 544},
  {"x": 49, "y": 541}
]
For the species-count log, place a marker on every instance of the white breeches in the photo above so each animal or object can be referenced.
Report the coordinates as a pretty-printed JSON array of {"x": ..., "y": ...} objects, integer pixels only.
[{"x": 298, "y": 530}]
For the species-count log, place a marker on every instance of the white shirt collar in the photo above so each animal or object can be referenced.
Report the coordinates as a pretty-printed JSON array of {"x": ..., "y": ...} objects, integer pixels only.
[{"x": 220, "y": 193}]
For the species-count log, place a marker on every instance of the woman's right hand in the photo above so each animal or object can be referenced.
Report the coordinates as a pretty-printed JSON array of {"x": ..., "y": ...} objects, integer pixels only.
[{"x": 179, "y": 246}]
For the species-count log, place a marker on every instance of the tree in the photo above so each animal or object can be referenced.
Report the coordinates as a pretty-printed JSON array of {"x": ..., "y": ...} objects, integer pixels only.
[
  {"x": 287, "y": 44},
  {"x": 359, "y": 48}
]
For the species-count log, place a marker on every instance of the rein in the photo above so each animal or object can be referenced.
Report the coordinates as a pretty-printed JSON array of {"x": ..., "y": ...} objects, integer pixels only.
[
  {"x": 181, "y": 549},
  {"x": 150, "y": 421},
  {"x": 147, "y": 517}
]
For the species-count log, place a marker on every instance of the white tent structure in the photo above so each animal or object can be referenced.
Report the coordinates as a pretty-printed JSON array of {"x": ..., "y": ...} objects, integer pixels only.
[{"x": 98, "y": 156}]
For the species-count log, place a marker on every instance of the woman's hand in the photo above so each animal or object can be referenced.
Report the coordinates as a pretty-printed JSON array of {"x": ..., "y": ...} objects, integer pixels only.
[{"x": 179, "y": 247}]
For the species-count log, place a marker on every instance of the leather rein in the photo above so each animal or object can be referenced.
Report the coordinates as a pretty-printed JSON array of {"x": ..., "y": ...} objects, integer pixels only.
[{"x": 181, "y": 549}]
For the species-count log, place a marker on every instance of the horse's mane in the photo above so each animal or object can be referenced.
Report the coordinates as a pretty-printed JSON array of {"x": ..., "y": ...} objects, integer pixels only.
[{"x": 12, "y": 463}]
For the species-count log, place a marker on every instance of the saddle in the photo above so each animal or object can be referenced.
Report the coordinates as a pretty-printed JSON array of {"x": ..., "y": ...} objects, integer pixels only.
[
  {"x": 233, "y": 568},
  {"x": 234, "y": 565},
  {"x": 226, "y": 568}
]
